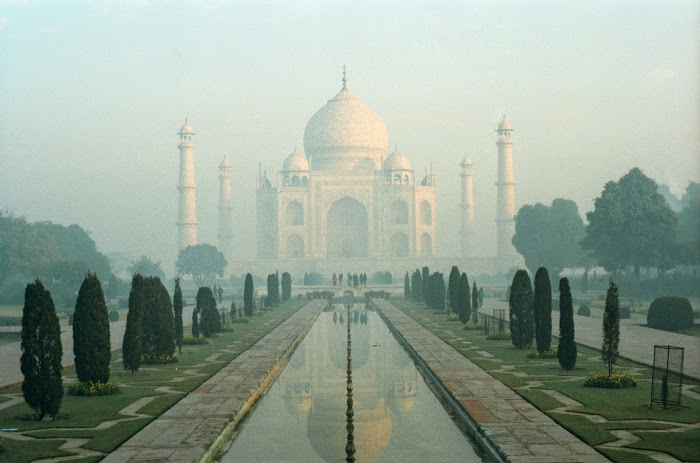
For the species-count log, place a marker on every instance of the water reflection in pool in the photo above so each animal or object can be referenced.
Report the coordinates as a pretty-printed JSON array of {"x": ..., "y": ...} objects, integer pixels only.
[{"x": 302, "y": 417}]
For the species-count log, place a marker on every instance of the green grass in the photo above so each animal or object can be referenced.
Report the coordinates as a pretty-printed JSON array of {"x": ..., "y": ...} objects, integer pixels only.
[
  {"x": 619, "y": 405},
  {"x": 683, "y": 445},
  {"x": 622, "y": 456},
  {"x": 88, "y": 412}
]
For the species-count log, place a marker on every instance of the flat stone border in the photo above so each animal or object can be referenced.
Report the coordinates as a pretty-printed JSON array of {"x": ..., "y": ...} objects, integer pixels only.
[
  {"x": 197, "y": 426},
  {"x": 515, "y": 428}
]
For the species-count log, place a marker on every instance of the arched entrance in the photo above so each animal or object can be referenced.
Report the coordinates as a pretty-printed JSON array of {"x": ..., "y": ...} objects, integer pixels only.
[{"x": 346, "y": 229}]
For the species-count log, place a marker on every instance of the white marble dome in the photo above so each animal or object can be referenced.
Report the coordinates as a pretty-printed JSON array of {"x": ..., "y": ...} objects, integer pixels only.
[
  {"x": 504, "y": 125},
  {"x": 186, "y": 128},
  {"x": 345, "y": 132},
  {"x": 397, "y": 161},
  {"x": 296, "y": 162}
]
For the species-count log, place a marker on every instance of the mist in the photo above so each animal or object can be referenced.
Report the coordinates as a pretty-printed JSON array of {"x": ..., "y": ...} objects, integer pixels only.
[{"x": 93, "y": 95}]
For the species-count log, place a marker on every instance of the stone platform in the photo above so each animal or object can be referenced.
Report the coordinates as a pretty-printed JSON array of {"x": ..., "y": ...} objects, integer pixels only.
[
  {"x": 504, "y": 421},
  {"x": 194, "y": 428}
]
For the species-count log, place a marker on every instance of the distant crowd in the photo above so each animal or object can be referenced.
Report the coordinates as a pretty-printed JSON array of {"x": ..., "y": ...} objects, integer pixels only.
[{"x": 352, "y": 280}]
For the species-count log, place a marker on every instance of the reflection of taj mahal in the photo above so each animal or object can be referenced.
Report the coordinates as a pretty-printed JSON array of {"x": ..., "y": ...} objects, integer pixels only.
[{"x": 345, "y": 198}]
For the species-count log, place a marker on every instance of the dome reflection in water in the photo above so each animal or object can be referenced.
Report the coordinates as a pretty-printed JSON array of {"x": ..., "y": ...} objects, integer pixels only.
[{"x": 396, "y": 416}]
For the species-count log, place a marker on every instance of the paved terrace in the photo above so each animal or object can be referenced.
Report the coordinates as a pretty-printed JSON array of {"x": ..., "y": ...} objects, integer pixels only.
[
  {"x": 521, "y": 433},
  {"x": 194, "y": 427},
  {"x": 636, "y": 341}
]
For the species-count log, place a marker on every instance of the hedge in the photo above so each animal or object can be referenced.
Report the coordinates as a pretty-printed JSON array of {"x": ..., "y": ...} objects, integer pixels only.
[
  {"x": 584, "y": 311},
  {"x": 671, "y": 313}
]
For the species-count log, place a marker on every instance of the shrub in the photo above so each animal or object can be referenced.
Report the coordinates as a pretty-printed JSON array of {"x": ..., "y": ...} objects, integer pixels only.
[
  {"x": 113, "y": 316},
  {"x": 498, "y": 337},
  {"x": 209, "y": 320},
  {"x": 549, "y": 354},
  {"x": 543, "y": 310},
  {"x": 162, "y": 359},
  {"x": 91, "y": 344},
  {"x": 195, "y": 340},
  {"x": 584, "y": 311},
  {"x": 625, "y": 312},
  {"x": 93, "y": 388},
  {"x": 522, "y": 313},
  {"x": 132, "y": 343},
  {"x": 566, "y": 351},
  {"x": 158, "y": 325},
  {"x": 618, "y": 380},
  {"x": 670, "y": 314}
]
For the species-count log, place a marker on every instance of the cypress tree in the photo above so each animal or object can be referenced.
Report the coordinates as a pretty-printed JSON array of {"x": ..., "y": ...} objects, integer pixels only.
[
  {"x": 195, "y": 323},
  {"x": 91, "y": 341},
  {"x": 522, "y": 319},
  {"x": 158, "y": 321},
  {"x": 543, "y": 310},
  {"x": 417, "y": 286},
  {"x": 406, "y": 287},
  {"x": 248, "y": 295},
  {"x": 41, "y": 352},
  {"x": 426, "y": 285},
  {"x": 132, "y": 342},
  {"x": 210, "y": 322},
  {"x": 286, "y": 286},
  {"x": 453, "y": 290},
  {"x": 463, "y": 298},
  {"x": 436, "y": 292},
  {"x": 611, "y": 327},
  {"x": 566, "y": 352},
  {"x": 475, "y": 298},
  {"x": 177, "y": 308}
]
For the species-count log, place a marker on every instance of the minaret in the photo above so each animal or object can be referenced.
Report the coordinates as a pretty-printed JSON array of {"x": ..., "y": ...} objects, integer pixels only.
[
  {"x": 187, "y": 211},
  {"x": 467, "y": 208},
  {"x": 505, "y": 202},
  {"x": 225, "y": 210}
]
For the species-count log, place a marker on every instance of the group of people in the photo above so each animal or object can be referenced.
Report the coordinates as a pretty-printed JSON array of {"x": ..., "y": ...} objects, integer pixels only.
[
  {"x": 353, "y": 280},
  {"x": 218, "y": 293},
  {"x": 356, "y": 317}
]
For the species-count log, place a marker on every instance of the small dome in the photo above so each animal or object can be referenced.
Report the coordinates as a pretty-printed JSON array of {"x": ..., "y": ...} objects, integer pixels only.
[
  {"x": 504, "y": 125},
  {"x": 225, "y": 163},
  {"x": 397, "y": 161},
  {"x": 296, "y": 162},
  {"x": 186, "y": 128},
  {"x": 466, "y": 161}
]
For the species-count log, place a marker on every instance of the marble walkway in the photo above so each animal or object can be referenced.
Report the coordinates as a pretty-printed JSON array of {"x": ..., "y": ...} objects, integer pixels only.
[
  {"x": 194, "y": 427},
  {"x": 520, "y": 432},
  {"x": 636, "y": 341}
]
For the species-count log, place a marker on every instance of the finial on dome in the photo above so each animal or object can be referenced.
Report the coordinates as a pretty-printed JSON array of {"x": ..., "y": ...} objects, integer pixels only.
[{"x": 345, "y": 78}]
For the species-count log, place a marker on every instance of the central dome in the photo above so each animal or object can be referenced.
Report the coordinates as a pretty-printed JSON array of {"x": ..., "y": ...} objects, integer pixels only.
[{"x": 344, "y": 133}]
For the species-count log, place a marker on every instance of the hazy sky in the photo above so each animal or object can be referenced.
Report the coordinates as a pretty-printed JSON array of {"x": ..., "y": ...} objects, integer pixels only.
[{"x": 92, "y": 94}]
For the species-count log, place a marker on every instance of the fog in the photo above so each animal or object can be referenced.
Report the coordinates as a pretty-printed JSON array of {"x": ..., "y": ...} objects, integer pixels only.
[{"x": 92, "y": 95}]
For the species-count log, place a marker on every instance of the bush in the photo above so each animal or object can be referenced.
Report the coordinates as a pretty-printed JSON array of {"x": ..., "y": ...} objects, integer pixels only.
[
  {"x": 162, "y": 359},
  {"x": 670, "y": 314},
  {"x": 113, "y": 316},
  {"x": 195, "y": 340},
  {"x": 548, "y": 354},
  {"x": 624, "y": 312},
  {"x": 498, "y": 337},
  {"x": 619, "y": 380},
  {"x": 584, "y": 311},
  {"x": 90, "y": 388},
  {"x": 124, "y": 303}
]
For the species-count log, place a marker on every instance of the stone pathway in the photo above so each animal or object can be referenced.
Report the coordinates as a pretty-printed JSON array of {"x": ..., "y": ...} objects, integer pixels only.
[
  {"x": 519, "y": 431},
  {"x": 636, "y": 341},
  {"x": 11, "y": 374},
  {"x": 195, "y": 427}
]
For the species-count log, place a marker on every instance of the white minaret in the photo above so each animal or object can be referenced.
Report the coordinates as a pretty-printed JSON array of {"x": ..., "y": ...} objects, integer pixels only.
[
  {"x": 505, "y": 202},
  {"x": 187, "y": 211},
  {"x": 225, "y": 210},
  {"x": 467, "y": 208}
]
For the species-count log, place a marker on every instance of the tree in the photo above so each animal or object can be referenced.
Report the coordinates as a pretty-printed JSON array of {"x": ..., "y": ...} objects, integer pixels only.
[
  {"x": 406, "y": 287},
  {"x": 210, "y": 322},
  {"x": 475, "y": 298},
  {"x": 91, "y": 342},
  {"x": 248, "y": 295},
  {"x": 41, "y": 352},
  {"x": 463, "y": 298},
  {"x": 522, "y": 320},
  {"x": 611, "y": 327},
  {"x": 417, "y": 286},
  {"x": 158, "y": 324},
  {"x": 273, "y": 298},
  {"x": 147, "y": 268},
  {"x": 549, "y": 236},
  {"x": 202, "y": 262},
  {"x": 286, "y": 286},
  {"x": 435, "y": 294},
  {"x": 543, "y": 310},
  {"x": 425, "y": 275},
  {"x": 631, "y": 225},
  {"x": 132, "y": 344},
  {"x": 195, "y": 323},
  {"x": 177, "y": 308},
  {"x": 566, "y": 352},
  {"x": 689, "y": 225},
  {"x": 453, "y": 289}
]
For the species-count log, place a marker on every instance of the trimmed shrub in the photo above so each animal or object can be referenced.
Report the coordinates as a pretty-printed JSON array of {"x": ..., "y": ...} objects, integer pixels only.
[
  {"x": 132, "y": 343},
  {"x": 670, "y": 313},
  {"x": 625, "y": 312},
  {"x": 91, "y": 344},
  {"x": 93, "y": 388},
  {"x": 113, "y": 316},
  {"x": 209, "y": 322},
  {"x": 566, "y": 351},
  {"x": 522, "y": 312},
  {"x": 584, "y": 311},
  {"x": 549, "y": 354},
  {"x": 543, "y": 310},
  {"x": 618, "y": 380}
]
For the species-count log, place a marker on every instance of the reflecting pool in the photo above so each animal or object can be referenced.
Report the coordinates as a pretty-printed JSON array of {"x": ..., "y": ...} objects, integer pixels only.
[{"x": 302, "y": 417}]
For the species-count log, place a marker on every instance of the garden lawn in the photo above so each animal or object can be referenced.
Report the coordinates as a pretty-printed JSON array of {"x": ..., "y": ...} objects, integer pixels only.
[
  {"x": 196, "y": 364},
  {"x": 626, "y": 409}
]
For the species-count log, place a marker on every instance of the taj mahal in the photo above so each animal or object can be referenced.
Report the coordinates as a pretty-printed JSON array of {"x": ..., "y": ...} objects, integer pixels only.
[{"x": 347, "y": 203}]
